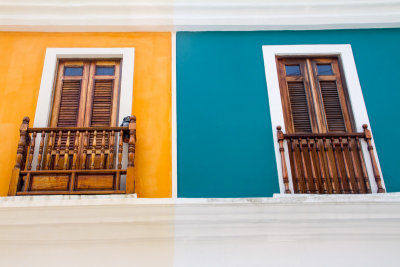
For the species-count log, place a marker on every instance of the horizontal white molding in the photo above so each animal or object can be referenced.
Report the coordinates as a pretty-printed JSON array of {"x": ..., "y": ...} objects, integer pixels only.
[
  {"x": 196, "y": 15},
  {"x": 90, "y": 217}
]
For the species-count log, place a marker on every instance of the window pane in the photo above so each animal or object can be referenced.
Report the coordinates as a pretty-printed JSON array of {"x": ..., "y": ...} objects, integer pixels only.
[
  {"x": 324, "y": 69},
  {"x": 101, "y": 70},
  {"x": 73, "y": 71},
  {"x": 292, "y": 70}
]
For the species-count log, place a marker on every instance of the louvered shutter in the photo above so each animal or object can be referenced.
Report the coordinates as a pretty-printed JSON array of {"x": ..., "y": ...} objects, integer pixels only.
[
  {"x": 102, "y": 103},
  {"x": 299, "y": 107},
  {"x": 332, "y": 108},
  {"x": 295, "y": 93},
  {"x": 69, "y": 103}
]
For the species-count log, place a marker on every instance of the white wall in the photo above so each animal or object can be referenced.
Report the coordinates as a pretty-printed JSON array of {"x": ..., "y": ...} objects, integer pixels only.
[{"x": 361, "y": 230}]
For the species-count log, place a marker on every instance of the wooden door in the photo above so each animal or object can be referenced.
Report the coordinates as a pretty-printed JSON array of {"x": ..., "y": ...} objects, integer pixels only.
[
  {"x": 86, "y": 95},
  {"x": 315, "y": 101}
]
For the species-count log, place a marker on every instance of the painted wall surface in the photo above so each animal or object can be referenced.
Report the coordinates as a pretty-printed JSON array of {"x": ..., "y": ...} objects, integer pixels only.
[
  {"x": 21, "y": 62},
  {"x": 225, "y": 146}
]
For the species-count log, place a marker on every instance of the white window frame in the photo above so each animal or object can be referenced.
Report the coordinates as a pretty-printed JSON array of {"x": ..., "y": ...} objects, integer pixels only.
[
  {"x": 49, "y": 76},
  {"x": 344, "y": 52}
]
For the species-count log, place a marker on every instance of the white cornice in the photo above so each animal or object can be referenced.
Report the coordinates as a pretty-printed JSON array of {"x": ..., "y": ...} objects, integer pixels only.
[{"x": 196, "y": 15}]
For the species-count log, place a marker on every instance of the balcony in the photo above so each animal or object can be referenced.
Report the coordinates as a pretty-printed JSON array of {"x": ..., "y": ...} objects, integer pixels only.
[
  {"x": 328, "y": 163},
  {"x": 74, "y": 160}
]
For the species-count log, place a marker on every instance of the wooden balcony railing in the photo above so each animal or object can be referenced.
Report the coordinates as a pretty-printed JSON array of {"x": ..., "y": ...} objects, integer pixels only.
[
  {"x": 75, "y": 160},
  {"x": 331, "y": 163}
]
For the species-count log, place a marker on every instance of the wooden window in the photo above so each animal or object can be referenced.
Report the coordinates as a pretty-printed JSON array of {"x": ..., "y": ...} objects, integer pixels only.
[
  {"x": 86, "y": 94},
  {"x": 313, "y": 95}
]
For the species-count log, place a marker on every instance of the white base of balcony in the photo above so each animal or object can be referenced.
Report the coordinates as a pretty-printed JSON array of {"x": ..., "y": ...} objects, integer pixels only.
[{"x": 122, "y": 230}]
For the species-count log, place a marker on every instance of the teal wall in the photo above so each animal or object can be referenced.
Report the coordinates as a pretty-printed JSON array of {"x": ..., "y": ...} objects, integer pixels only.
[{"x": 225, "y": 146}]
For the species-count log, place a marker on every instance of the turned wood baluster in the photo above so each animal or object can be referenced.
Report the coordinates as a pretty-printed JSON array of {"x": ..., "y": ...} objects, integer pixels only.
[
  {"x": 49, "y": 150},
  {"x": 84, "y": 153},
  {"x": 76, "y": 147},
  {"x": 93, "y": 157},
  {"x": 130, "y": 179},
  {"x": 296, "y": 171},
  {"x": 31, "y": 150},
  {"x": 303, "y": 161},
  {"x": 321, "y": 166},
  {"x": 363, "y": 167},
  {"x": 313, "y": 172},
  {"x": 66, "y": 151},
  {"x": 346, "y": 166},
  {"x": 353, "y": 162},
  {"x": 103, "y": 144},
  {"x": 111, "y": 149},
  {"x": 19, "y": 161},
  {"x": 330, "y": 172},
  {"x": 284, "y": 166},
  {"x": 339, "y": 175},
  {"x": 378, "y": 180},
  {"x": 41, "y": 151},
  {"x": 58, "y": 148},
  {"x": 121, "y": 134}
]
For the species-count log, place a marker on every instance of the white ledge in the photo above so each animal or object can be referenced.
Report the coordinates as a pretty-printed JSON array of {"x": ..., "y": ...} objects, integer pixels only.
[
  {"x": 132, "y": 200},
  {"x": 196, "y": 15}
]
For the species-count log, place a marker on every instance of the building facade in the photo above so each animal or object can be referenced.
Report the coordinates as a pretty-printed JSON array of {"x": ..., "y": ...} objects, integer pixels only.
[{"x": 260, "y": 133}]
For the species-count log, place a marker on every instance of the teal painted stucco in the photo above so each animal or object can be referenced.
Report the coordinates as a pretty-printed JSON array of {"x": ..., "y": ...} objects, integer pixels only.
[{"x": 225, "y": 145}]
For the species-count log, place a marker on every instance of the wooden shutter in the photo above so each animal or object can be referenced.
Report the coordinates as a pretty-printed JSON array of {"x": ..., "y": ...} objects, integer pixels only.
[
  {"x": 69, "y": 103},
  {"x": 88, "y": 97},
  {"x": 295, "y": 92},
  {"x": 334, "y": 106},
  {"x": 70, "y": 94},
  {"x": 313, "y": 95}
]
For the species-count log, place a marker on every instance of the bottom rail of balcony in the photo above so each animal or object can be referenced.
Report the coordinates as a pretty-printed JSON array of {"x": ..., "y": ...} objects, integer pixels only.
[{"x": 71, "y": 182}]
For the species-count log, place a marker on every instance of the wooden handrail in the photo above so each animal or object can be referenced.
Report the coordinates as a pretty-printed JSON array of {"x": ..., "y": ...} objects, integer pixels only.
[
  {"x": 328, "y": 162},
  {"x": 91, "y": 129},
  {"x": 70, "y": 159}
]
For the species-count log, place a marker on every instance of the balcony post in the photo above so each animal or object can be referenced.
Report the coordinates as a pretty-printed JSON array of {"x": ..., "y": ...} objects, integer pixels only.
[
  {"x": 284, "y": 166},
  {"x": 378, "y": 180},
  {"x": 130, "y": 179},
  {"x": 21, "y": 156}
]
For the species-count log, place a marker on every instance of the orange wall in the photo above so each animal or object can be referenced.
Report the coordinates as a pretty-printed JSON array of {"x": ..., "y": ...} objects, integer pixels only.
[{"x": 21, "y": 62}]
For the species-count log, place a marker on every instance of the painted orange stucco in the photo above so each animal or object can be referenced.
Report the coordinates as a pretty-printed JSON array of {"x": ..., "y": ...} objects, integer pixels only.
[{"x": 21, "y": 63}]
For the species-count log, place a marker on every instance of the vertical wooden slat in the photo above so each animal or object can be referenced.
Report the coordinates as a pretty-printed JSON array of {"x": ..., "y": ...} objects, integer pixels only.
[
  {"x": 304, "y": 166},
  {"x": 58, "y": 148},
  {"x": 283, "y": 160},
  {"x": 66, "y": 151},
  {"x": 84, "y": 153},
  {"x": 321, "y": 165},
  {"x": 363, "y": 167},
  {"x": 110, "y": 158},
  {"x": 378, "y": 180},
  {"x": 93, "y": 157},
  {"x": 313, "y": 172},
  {"x": 49, "y": 150},
  {"x": 355, "y": 167},
  {"x": 31, "y": 150},
  {"x": 103, "y": 144},
  {"x": 328, "y": 162},
  {"x": 121, "y": 134},
  {"x": 41, "y": 151},
  {"x": 346, "y": 166},
  {"x": 296, "y": 171},
  {"x": 76, "y": 147},
  {"x": 338, "y": 172}
]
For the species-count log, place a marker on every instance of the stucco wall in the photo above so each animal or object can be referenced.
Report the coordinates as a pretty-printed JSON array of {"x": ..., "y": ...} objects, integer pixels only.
[
  {"x": 225, "y": 146},
  {"x": 21, "y": 62}
]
